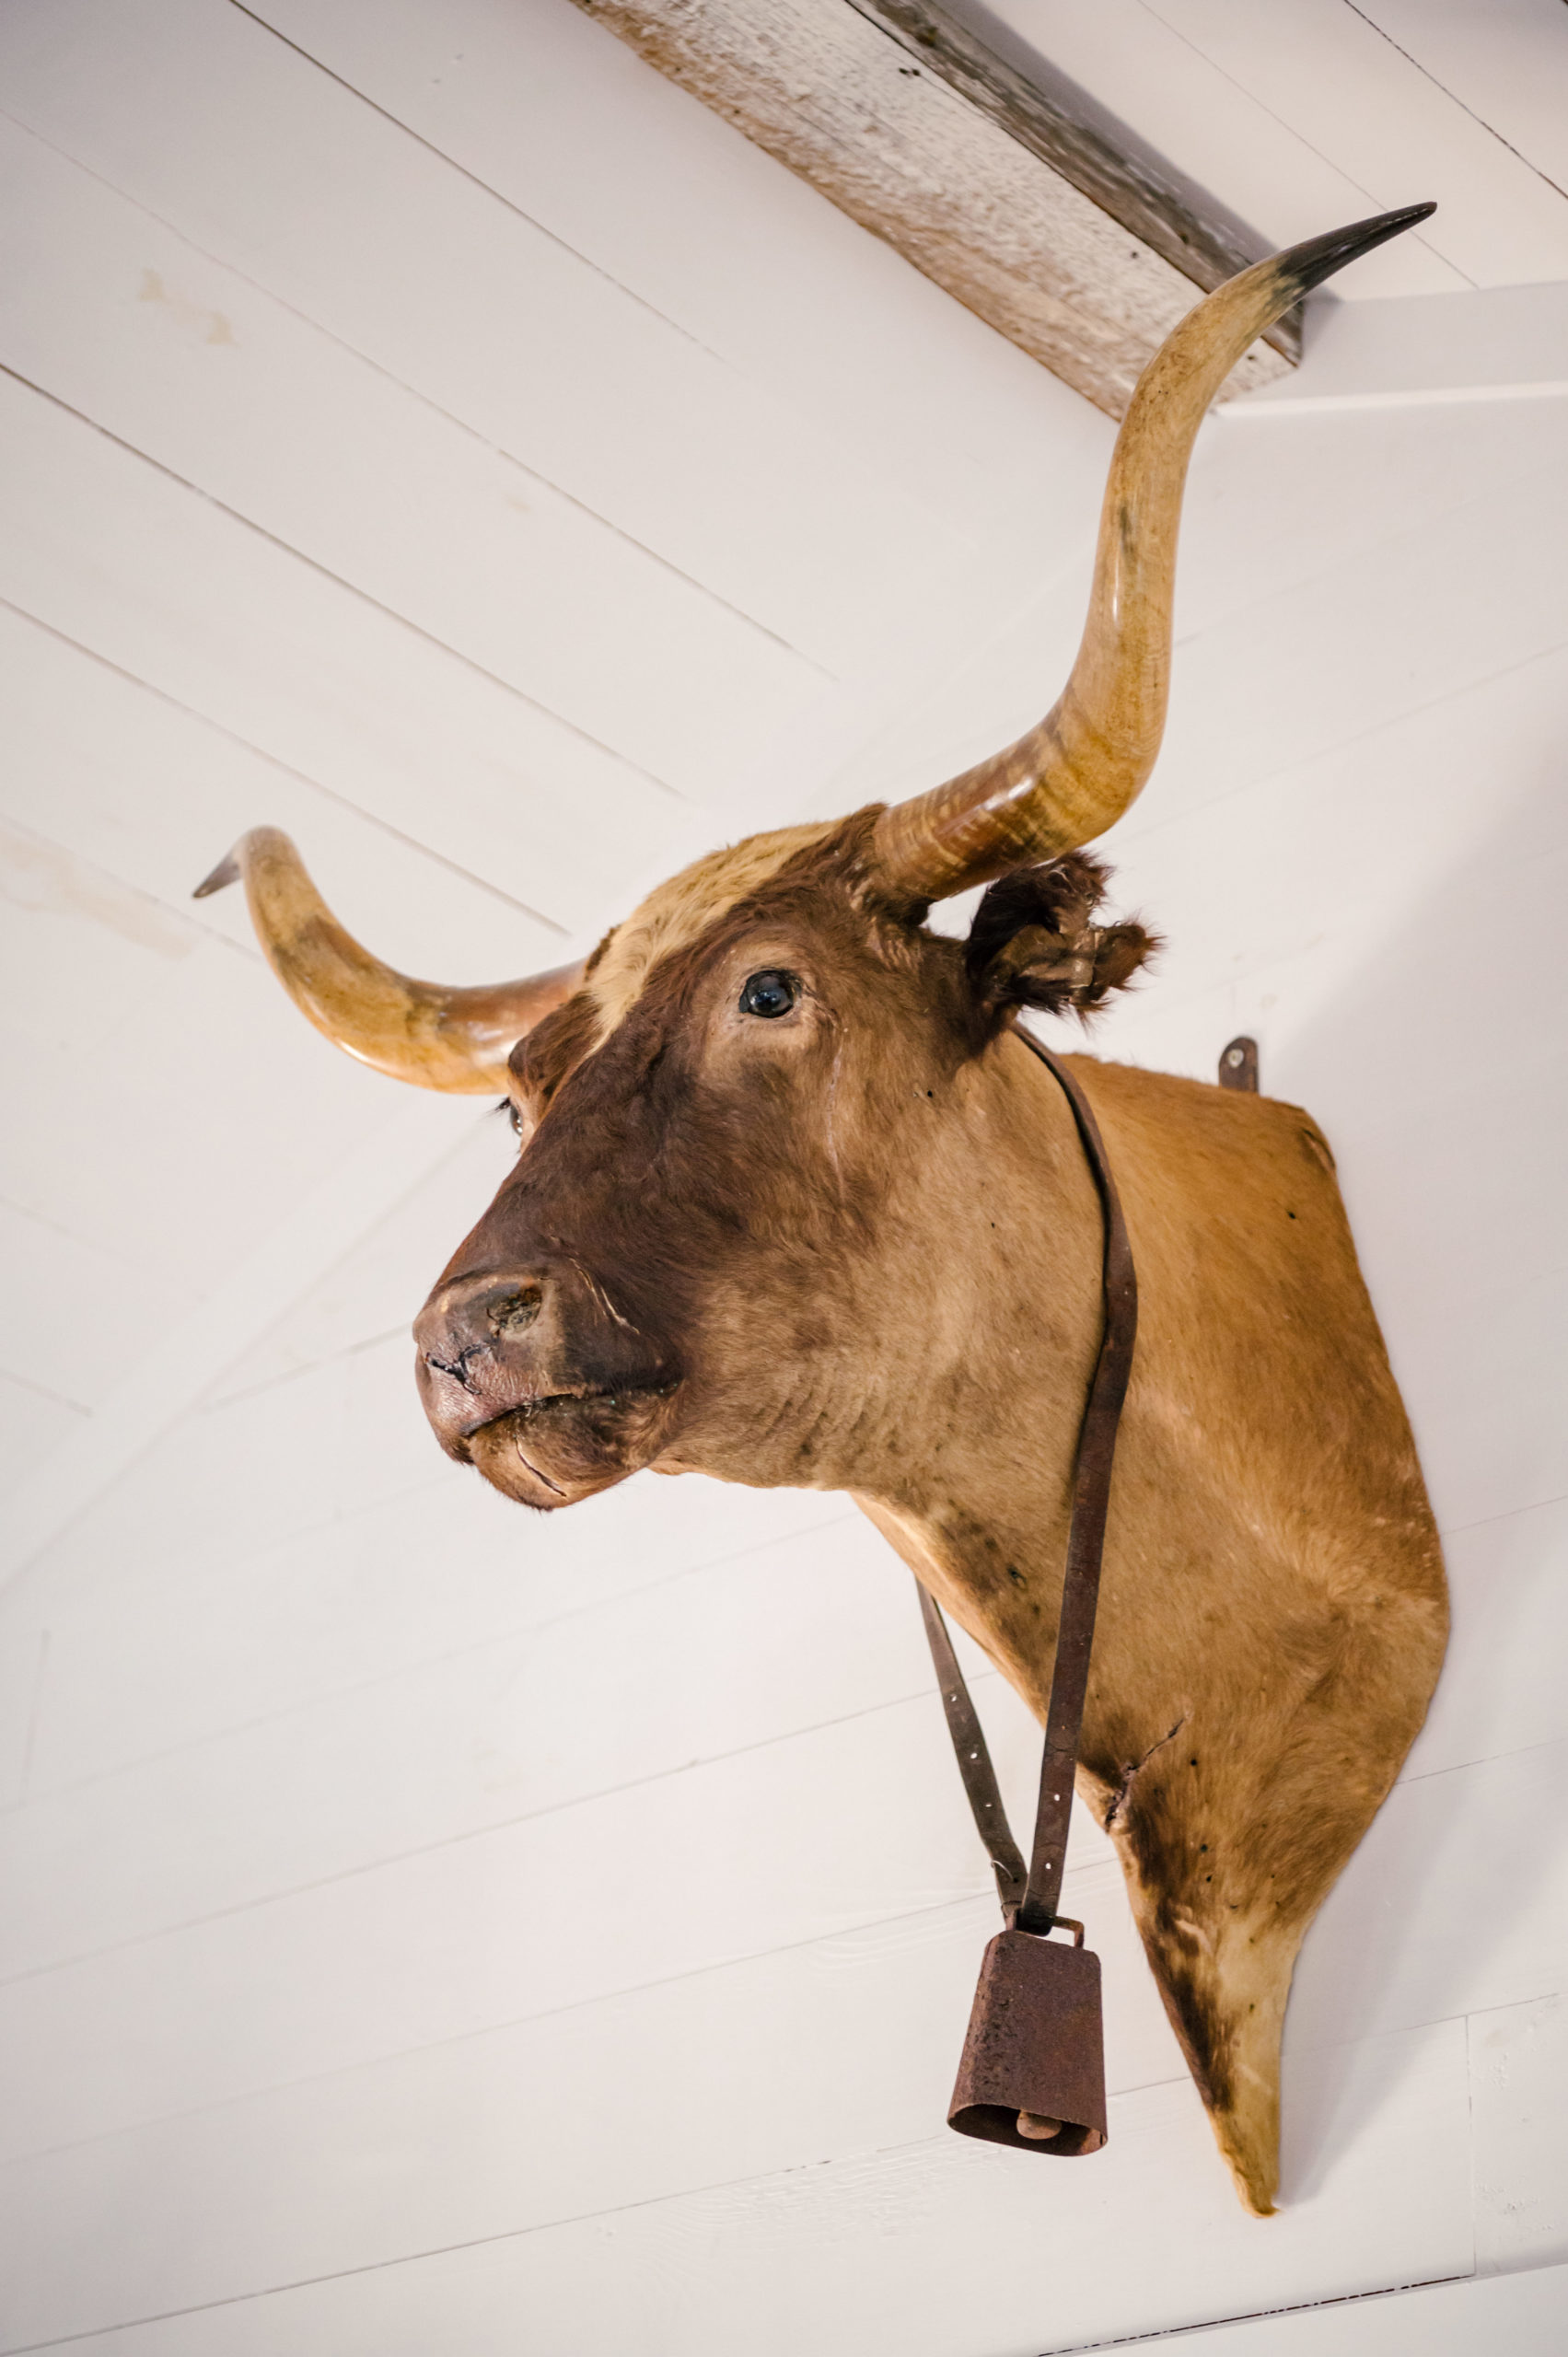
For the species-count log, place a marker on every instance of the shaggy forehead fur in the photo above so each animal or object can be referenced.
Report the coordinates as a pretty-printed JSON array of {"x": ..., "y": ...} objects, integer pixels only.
[{"x": 681, "y": 911}]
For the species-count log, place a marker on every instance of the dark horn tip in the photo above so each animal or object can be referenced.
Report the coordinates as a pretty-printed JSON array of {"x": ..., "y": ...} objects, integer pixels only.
[
  {"x": 226, "y": 872},
  {"x": 1309, "y": 265}
]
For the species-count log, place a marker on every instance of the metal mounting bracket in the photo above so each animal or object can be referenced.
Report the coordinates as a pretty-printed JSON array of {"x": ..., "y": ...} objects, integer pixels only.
[{"x": 1239, "y": 1065}]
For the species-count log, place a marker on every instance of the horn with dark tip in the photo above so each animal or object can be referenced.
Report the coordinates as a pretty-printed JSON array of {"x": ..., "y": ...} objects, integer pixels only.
[
  {"x": 457, "y": 1040},
  {"x": 1075, "y": 774}
]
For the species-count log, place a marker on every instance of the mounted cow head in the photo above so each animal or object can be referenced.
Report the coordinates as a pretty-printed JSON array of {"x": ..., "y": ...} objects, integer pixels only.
[
  {"x": 740, "y": 1081},
  {"x": 790, "y": 1211}
]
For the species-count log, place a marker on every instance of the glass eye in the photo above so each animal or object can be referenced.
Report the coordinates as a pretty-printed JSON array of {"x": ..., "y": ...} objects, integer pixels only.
[{"x": 769, "y": 994}]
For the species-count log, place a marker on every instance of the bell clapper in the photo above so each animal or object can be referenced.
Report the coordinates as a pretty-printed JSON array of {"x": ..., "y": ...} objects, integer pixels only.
[{"x": 1038, "y": 2129}]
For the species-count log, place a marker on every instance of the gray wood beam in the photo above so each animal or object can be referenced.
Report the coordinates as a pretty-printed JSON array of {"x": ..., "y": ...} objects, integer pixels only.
[{"x": 1017, "y": 196}]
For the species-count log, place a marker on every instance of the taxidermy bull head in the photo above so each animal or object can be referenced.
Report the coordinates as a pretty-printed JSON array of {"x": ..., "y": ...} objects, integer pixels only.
[{"x": 793, "y": 1206}]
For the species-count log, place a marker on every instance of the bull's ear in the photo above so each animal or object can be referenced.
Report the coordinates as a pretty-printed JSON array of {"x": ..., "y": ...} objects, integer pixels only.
[{"x": 1033, "y": 942}]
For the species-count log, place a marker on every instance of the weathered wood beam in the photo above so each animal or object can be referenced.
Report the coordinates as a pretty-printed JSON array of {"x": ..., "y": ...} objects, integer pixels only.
[
  {"x": 1061, "y": 124},
  {"x": 1019, "y": 198}
]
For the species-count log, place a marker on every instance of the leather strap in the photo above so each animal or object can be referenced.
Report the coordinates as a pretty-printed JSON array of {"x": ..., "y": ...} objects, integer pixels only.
[
  {"x": 974, "y": 1761},
  {"x": 1029, "y": 1903}
]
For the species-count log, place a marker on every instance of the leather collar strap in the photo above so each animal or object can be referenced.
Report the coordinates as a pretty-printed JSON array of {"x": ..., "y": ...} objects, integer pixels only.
[{"x": 1029, "y": 1902}]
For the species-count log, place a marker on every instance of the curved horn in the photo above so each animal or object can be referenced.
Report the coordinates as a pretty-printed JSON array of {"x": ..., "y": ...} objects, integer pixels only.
[
  {"x": 1076, "y": 773},
  {"x": 457, "y": 1040}
]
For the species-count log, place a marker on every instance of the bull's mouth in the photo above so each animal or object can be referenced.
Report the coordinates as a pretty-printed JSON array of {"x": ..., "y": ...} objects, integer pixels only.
[{"x": 549, "y": 1452}]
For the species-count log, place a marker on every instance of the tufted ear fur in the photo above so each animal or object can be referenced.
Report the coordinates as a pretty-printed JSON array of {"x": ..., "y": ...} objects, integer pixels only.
[{"x": 1033, "y": 942}]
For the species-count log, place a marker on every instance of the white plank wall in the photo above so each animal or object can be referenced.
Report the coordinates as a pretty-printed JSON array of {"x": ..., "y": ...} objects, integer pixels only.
[{"x": 432, "y": 1929}]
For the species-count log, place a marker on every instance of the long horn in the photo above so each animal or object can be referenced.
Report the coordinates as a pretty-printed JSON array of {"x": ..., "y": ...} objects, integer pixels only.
[
  {"x": 1075, "y": 773},
  {"x": 457, "y": 1040}
]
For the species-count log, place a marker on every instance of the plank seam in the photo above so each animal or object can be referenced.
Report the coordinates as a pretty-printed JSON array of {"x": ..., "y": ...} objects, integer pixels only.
[
  {"x": 981, "y": 1900},
  {"x": 411, "y": 392},
  {"x": 1392, "y": 720},
  {"x": 210, "y": 929},
  {"x": 1427, "y": 74},
  {"x": 487, "y": 1644},
  {"x": 1257, "y": 2316},
  {"x": 508, "y": 1825},
  {"x": 1291, "y": 132},
  {"x": 488, "y": 188}
]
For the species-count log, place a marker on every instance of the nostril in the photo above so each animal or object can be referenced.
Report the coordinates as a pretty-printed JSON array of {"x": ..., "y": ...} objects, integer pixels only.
[
  {"x": 473, "y": 1326},
  {"x": 514, "y": 1311}
]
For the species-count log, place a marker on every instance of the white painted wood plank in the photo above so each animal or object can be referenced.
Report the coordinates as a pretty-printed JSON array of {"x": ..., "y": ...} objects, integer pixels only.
[
  {"x": 653, "y": 2251},
  {"x": 798, "y": 1631},
  {"x": 95, "y": 980},
  {"x": 1427, "y": 797},
  {"x": 694, "y": 1667},
  {"x": 1455, "y": 1902},
  {"x": 1519, "y": 1096},
  {"x": 104, "y": 547},
  {"x": 817, "y": 1625},
  {"x": 1341, "y": 992},
  {"x": 179, "y": 1057},
  {"x": 1434, "y": 609},
  {"x": 1344, "y": 480},
  {"x": 1240, "y": 855},
  {"x": 392, "y": 2312},
  {"x": 1380, "y": 620},
  {"x": 287, "y": 176},
  {"x": 1328, "y": 73},
  {"x": 24, "y": 1651},
  {"x": 31, "y": 1421},
  {"x": 238, "y": 395},
  {"x": 827, "y": 1831},
  {"x": 374, "y": 1293},
  {"x": 550, "y": 111},
  {"x": 80, "y": 958},
  {"x": 1507, "y": 65},
  {"x": 348, "y": 1440},
  {"x": 822, "y": 1833},
  {"x": 362, "y": 1553},
  {"x": 140, "y": 790},
  {"x": 1481, "y": 1462},
  {"x": 73, "y": 1315},
  {"x": 1258, "y": 890},
  {"x": 1519, "y": 2093},
  {"x": 1266, "y": 113},
  {"x": 140, "y": 795},
  {"x": 1495, "y": 342},
  {"x": 1520, "y": 2313},
  {"x": 1501, "y": 1689},
  {"x": 185, "y": 1351},
  {"x": 91, "y": 744},
  {"x": 1460, "y": 496},
  {"x": 75, "y": 938}
]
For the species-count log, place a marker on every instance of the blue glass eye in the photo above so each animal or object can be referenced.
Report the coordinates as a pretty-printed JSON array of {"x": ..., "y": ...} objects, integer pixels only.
[{"x": 769, "y": 994}]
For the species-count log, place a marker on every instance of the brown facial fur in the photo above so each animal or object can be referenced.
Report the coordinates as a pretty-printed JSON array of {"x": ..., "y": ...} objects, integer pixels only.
[{"x": 858, "y": 1248}]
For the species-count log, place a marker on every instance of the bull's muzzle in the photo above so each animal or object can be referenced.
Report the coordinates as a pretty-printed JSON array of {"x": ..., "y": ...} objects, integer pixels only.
[{"x": 536, "y": 1378}]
